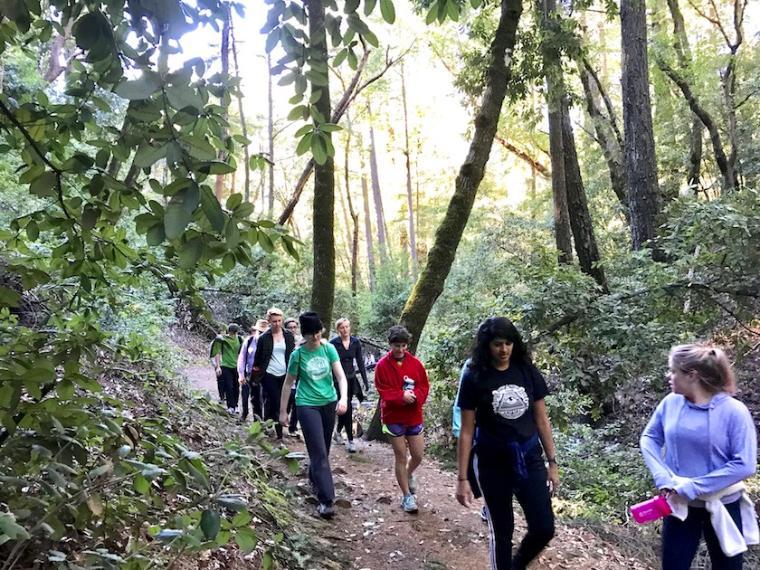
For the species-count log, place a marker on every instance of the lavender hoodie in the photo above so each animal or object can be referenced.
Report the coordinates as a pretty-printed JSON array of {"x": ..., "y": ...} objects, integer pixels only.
[{"x": 713, "y": 445}]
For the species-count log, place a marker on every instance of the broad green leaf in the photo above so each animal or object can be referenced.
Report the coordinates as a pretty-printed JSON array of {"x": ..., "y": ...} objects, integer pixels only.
[
  {"x": 9, "y": 297},
  {"x": 340, "y": 58},
  {"x": 388, "y": 11},
  {"x": 147, "y": 155},
  {"x": 318, "y": 149},
  {"x": 241, "y": 519},
  {"x": 244, "y": 210},
  {"x": 180, "y": 210},
  {"x": 182, "y": 96},
  {"x": 371, "y": 38},
  {"x": 351, "y": 6},
  {"x": 452, "y": 10},
  {"x": 246, "y": 539},
  {"x": 32, "y": 230},
  {"x": 11, "y": 528},
  {"x": 216, "y": 167},
  {"x": 190, "y": 253},
  {"x": 211, "y": 209},
  {"x": 141, "y": 88},
  {"x": 210, "y": 524},
  {"x": 234, "y": 201},
  {"x": 142, "y": 485},
  {"x": 432, "y": 13},
  {"x": 369, "y": 6},
  {"x": 44, "y": 186},
  {"x": 156, "y": 234}
]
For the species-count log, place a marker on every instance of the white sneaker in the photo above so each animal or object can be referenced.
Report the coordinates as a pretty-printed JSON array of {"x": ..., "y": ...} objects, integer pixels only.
[
  {"x": 337, "y": 438},
  {"x": 409, "y": 504},
  {"x": 351, "y": 446}
]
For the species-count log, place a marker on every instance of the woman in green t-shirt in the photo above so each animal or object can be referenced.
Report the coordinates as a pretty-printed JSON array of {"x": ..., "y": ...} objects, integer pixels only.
[{"x": 314, "y": 363}]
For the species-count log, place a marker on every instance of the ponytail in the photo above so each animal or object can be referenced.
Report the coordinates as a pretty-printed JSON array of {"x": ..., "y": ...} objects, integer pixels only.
[{"x": 711, "y": 364}]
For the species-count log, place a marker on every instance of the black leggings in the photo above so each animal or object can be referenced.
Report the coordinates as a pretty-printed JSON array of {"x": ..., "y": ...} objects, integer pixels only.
[
  {"x": 495, "y": 476},
  {"x": 680, "y": 540},
  {"x": 231, "y": 386},
  {"x": 346, "y": 421},
  {"x": 272, "y": 386},
  {"x": 317, "y": 423}
]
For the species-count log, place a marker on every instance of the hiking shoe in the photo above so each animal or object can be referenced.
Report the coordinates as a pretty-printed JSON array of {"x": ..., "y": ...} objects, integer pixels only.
[
  {"x": 484, "y": 514},
  {"x": 409, "y": 504},
  {"x": 351, "y": 446},
  {"x": 325, "y": 511},
  {"x": 412, "y": 485},
  {"x": 337, "y": 438}
]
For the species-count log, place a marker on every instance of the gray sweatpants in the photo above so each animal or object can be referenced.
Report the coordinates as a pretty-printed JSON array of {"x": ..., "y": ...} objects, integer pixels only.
[{"x": 317, "y": 423}]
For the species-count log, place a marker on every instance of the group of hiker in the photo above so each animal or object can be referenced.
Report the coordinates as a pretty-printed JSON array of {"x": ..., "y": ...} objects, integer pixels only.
[{"x": 700, "y": 443}]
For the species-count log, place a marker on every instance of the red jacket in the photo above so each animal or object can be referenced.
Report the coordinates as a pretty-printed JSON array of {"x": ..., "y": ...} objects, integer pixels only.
[{"x": 389, "y": 381}]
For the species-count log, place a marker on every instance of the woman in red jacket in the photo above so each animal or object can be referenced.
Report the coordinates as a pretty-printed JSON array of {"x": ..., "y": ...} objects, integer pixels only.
[{"x": 403, "y": 386}]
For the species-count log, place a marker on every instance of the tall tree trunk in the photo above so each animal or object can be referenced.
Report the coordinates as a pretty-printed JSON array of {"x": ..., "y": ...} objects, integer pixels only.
[
  {"x": 580, "y": 217},
  {"x": 641, "y": 164},
  {"x": 605, "y": 135},
  {"x": 409, "y": 198},
  {"x": 241, "y": 112},
  {"x": 555, "y": 91},
  {"x": 225, "y": 55},
  {"x": 376, "y": 194},
  {"x": 430, "y": 283},
  {"x": 369, "y": 236},
  {"x": 323, "y": 220},
  {"x": 683, "y": 55},
  {"x": 270, "y": 137},
  {"x": 354, "y": 214}
]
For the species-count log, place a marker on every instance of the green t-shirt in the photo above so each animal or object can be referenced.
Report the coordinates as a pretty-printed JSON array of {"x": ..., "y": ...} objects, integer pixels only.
[
  {"x": 230, "y": 347},
  {"x": 313, "y": 368}
]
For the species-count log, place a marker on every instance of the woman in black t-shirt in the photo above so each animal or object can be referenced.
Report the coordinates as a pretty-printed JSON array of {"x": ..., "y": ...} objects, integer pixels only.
[{"x": 506, "y": 427}]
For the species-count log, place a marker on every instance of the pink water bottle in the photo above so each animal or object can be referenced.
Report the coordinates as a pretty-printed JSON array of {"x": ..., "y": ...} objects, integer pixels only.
[{"x": 651, "y": 510}]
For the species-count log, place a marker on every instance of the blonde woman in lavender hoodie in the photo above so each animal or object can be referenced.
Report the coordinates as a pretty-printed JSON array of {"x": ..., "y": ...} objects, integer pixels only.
[{"x": 710, "y": 447}]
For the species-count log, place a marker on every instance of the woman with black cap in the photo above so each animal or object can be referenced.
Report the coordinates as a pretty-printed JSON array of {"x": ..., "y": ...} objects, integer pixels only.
[{"x": 314, "y": 364}]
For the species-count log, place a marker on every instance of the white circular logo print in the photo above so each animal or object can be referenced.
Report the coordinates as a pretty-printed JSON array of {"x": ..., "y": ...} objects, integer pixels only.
[
  {"x": 510, "y": 401},
  {"x": 318, "y": 367}
]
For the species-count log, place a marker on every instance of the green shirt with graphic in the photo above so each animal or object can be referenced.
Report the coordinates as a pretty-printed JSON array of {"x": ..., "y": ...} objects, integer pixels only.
[
  {"x": 229, "y": 346},
  {"x": 313, "y": 369}
]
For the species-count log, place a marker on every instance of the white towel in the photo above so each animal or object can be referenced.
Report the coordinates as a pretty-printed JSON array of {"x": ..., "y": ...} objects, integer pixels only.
[{"x": 732, "y": 542}]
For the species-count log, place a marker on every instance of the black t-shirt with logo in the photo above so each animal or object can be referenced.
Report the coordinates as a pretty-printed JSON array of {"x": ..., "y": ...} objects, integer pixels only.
[{"x": 503, "y": 400}]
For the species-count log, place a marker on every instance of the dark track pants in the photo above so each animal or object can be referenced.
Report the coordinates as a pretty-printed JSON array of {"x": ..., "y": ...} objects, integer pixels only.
[
  {"x": 317, "y": 424},
  {"x": 252, "y": 391},
  {"x": 231, "y": 386},
  {"x": 497, "y": 482},
  {"x": 272, "y": 387},
  {"x": 293, "y": 425},
  {"x": 346, "y": 421},
  {"x": 680, "y": 540}
]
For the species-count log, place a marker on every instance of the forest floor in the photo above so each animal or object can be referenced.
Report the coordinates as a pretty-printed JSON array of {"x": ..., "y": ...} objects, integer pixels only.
[{"x": 371, "y": 532}]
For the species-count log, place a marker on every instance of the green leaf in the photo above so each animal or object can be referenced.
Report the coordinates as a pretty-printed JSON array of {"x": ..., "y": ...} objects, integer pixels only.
[
  {"x": 9, "y": 527},
  {"x": 190, "y": 253},
  {"x": 267, "y": 562},
  {"x": 216, "y": 167},
  {"x": 265, "y": 242},
  {"x": 212, "y": 210},
  {"x": 340, "y": 58},
  {"x": 453, "y": 10},
  {"x": 241, "y": 519},
  {"x": 388, "y": 11},
  {"x": 147, "y": 155},
  {"x": 371, "y": 38},
  {"x": 318, "y": 149},
  {"x": 304, "y": 144},
  {"x": 369, "y": 6},
  {"x": 180, "y": 210},
  {"x": 329, "y": 127},
  {"x": 141, "y": 485},
  {"x": 210, "y": 524},
  {"x": 234, "y": 201},
  {"x": 32, "y": 230},
  {"x": 246, "y": 539},
  {"x": 156, "y": 235},
  {"x": 9, "y": 297},
  {"x": 137, "y": 89},
  {"x": 432, "y": 13},
  {"x": 244, "y": 210},
  {"x": 182, "y": 96},
  {"x": 297, "y": 112},
  {"x": 44, "y": 186},
  {"x": 228, "y": 262},
  {"x": 351, "y": 6}
]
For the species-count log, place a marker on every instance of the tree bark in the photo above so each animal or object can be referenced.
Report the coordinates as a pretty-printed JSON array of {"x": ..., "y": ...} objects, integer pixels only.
[
  {"x": 429, "y": 285},
  {"x": 555, "y": 92},
  {"x": 580, "y": 217},
  {"x": 323, "y": 220},
  {"x": 354, "y": 214},
  {"x": 241, "y": 112},
  {"x": 270, "y": 137},
  {"x": 225, "y": 56},
  {"x": 409, "y": 197},
  {"x": 605, "y": 135},
  {"x": 376, "y": 194},
  {"x": 683, "y": 55},
  {"x": 369, "y": 237},
  {"x": 641, "y": 164}
]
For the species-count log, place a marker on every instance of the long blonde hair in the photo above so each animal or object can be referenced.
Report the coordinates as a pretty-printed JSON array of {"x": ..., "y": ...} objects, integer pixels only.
[{"x": 709, "y": 362}]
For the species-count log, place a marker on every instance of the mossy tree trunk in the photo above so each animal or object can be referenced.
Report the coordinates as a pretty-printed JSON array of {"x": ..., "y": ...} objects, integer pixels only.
[{"x": 429, "y": 285}]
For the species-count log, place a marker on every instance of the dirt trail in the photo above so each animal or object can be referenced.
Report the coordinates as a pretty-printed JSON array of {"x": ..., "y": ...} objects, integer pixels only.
[{"x": 372, "y": 531}]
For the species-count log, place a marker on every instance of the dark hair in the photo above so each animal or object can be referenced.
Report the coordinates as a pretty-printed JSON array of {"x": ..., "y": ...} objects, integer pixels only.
[
  {"x": 310, "y": 323},
  {"x": 398, "y": 333},
  {"x": 233, "y": 328},
  {"x": 490, "y": 329},
  {"x": 288, "y": 321}
]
